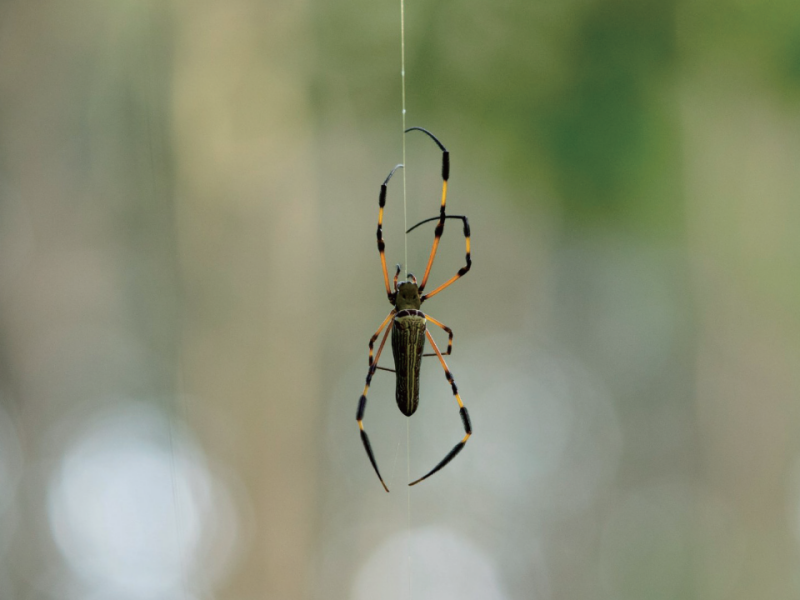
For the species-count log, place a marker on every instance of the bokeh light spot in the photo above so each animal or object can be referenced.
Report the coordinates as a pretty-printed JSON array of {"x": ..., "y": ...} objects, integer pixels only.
[
  {"x": 131, "y": 504},
  {"x": 444, "y": 566}
]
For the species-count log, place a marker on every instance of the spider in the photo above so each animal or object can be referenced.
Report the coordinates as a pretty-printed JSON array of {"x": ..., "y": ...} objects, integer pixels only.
[{"x": 408, "y": 324}]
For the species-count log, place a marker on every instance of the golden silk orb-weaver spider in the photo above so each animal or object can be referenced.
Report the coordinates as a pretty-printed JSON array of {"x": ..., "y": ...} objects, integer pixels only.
[{"x": 409, "y": 325}]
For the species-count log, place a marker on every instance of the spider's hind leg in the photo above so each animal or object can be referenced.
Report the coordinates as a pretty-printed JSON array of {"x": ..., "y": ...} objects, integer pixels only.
[
  {"x": 462, "y": 412},
  {"x": 362, "y": 403}
]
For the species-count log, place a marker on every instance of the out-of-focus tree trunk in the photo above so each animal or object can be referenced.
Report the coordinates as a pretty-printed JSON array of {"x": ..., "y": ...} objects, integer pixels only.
[{"x": 248, "y": 236}]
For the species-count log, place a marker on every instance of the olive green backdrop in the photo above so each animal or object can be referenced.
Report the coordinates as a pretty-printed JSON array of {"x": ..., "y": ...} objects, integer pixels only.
[{"x": 189, "y": 279}]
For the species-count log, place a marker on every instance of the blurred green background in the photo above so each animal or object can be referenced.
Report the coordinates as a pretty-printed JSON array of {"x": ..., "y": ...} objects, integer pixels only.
[{"x": 189, "y": 279}]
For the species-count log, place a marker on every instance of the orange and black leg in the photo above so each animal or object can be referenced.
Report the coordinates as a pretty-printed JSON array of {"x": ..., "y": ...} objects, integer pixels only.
[
  {"x": 449, "y": 334},
  {"x": 377, "y": 333},
  {"x": 381, "y": 244},
  {"x": 440, "y": 225},
  {"x": 463, "y": 270},
  {"x": 362, "y": 405},
  {"x": 462, "y": 411}
]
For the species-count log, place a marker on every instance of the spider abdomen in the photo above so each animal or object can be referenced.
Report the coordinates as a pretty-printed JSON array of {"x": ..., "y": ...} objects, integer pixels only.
[{"x": 408, "y": 343}]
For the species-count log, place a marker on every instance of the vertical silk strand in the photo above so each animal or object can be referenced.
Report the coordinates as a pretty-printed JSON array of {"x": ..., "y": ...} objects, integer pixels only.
[
  {"x": 405, "y": 261},
  {"x": 408, "y": 492},
  {"x": 402, "y": 133}
]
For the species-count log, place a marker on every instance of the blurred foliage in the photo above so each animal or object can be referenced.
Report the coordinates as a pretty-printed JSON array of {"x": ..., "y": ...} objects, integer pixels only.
[{"x": 570, "y": 93}]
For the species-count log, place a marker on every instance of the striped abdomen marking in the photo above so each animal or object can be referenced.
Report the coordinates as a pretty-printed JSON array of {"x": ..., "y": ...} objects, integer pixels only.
[{"x": 408, "y": 343}]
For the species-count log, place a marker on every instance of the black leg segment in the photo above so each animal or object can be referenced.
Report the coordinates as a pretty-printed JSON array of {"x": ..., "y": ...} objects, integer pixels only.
[
  {"x": 362, "y": 404},
  {"x": 465, "y": 420}
]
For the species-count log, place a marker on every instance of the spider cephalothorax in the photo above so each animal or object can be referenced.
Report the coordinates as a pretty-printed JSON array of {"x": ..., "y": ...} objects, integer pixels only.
[{"x": 408, "y": 296}]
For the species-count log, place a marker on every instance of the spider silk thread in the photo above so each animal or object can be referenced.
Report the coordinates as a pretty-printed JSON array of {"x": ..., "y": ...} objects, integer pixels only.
[{"x": 405, "y": 264}]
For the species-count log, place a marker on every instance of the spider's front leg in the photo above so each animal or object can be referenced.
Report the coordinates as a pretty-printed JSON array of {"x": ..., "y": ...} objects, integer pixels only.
[
  {"x": 442, "y": 207},
  {"x": 381, "y": 243}
]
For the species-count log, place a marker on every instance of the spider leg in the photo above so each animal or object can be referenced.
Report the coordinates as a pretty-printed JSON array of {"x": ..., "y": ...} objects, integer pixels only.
[
  {"x": 449, "y": 333},
  {"x": 362, "y": 405},
  {"x": 381, "y": 244},
  {"x": 462, "y": 411},
  {"x": 440, "y": 225},
  {"x": 377, "y": 333},
  {"x": 463, "y": 270}
]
